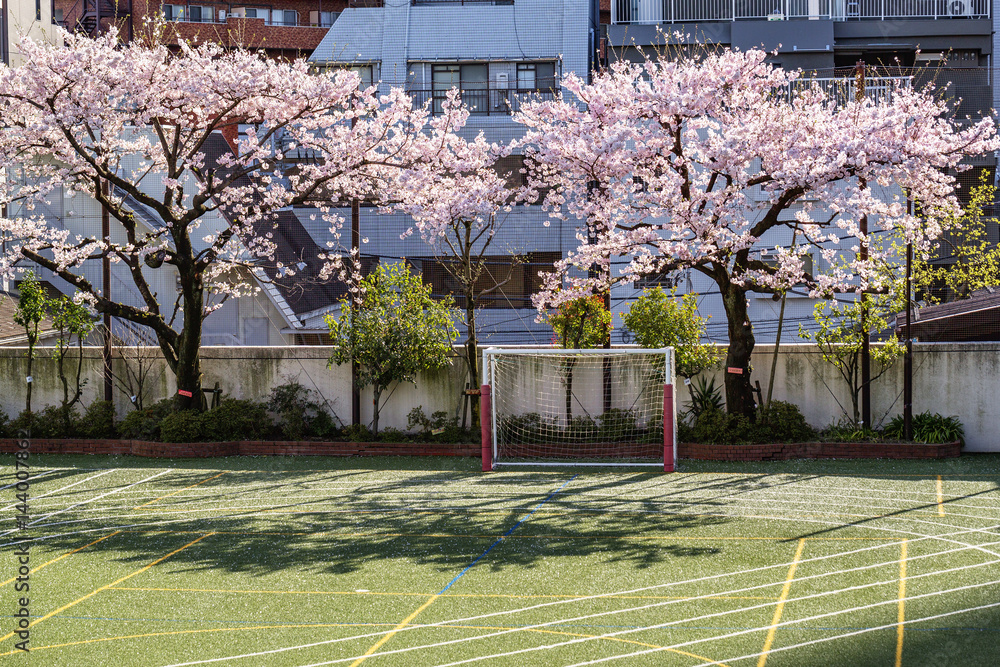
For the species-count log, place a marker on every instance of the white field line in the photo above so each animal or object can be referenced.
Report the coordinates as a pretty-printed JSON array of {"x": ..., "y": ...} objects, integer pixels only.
[
  {"x": 618, "y": 611},
  {"x": 864, "y": 630},
  {"x": 272, "y": 513},
  {"x": 47, "y": 472},
  {"x": 68, "y": 486},
  {"x": 84, "y": 502},
  {"x": 613, "y": 635},
  {"x": 785, "y": 648}
]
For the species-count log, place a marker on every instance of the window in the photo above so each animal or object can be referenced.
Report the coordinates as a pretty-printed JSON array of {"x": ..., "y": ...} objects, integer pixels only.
[
  {"x": 173, "y": 12},
  {"x": 520, "y": 274},
  {"x": 471, "y": 79},
  {"x": 368, "y": 73},
  {"x": 285, "y": 17},
  {"x": 323, "y": 19},
  {"x": 200, "y": 14},
  {"x": 536, "y": 77},
  {"x": 514, "y": 169}
]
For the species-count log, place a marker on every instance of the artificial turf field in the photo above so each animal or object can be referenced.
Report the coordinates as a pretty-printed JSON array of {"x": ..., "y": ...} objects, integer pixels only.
[{"x": 314, "y": 561}]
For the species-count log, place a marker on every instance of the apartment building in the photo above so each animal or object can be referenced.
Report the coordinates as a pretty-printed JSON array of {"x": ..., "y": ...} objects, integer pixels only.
[
  {"x": 281, "y": 28},
  {"x": 497, "y": 53},
  {"x": 19, "y": 18}
]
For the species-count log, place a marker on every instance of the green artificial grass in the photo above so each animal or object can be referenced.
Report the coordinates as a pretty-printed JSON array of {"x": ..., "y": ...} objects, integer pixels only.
[{"x": 426, "y": 561}]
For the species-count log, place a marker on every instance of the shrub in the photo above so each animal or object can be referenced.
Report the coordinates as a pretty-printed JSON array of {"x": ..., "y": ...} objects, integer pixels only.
[
  {"x": 145, "y": 424},
  {"x": 928, "y": 428},
  {"x": 616, "y": 422},
  {"x": 392, "y": 435},
  {"x": 183, "y": 426},
  {"x": 237, "y": 419},
  {"x": 705, "y": 395},
  {"x": 439, "y": 427},
  {"x": 783, "y": 422},
  {"x": 98, "y": 421},
  {"x": 845, "y": 431},
  {"x": 4, "y": 425},
  {"x": 358, "y": 433},
  {"x": 299, "y": 416},
  {"x": 49, "y": 423},
  {"x": 720, "y": 428}
]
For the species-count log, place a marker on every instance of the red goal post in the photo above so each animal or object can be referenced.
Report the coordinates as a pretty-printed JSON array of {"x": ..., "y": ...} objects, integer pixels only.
[{"x": 594, "y": 407}]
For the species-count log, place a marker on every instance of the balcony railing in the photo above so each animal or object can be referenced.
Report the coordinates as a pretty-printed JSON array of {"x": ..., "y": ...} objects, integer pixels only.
[
  {"x": 679, "y": 11},
  {"x": 841, "y": 90},
  {"x": 461, "y": 2},
  {"x": 483, "y": 100},
  {"x": 207, "y": 12}
]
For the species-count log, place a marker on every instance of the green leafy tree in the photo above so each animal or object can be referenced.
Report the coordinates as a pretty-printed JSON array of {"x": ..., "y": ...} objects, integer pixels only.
[
  {"x": 659, "y": 319},
  {"x": 581, "y": 324},
  {"x": 840, "y": 337},
  {"x": 393, "y": 330},
  {"x": 70, "y": 320},
  {"x": 578, "y": 325},
  {"x": 29, "y": 314},
  {"x": 975, "y": 262}
]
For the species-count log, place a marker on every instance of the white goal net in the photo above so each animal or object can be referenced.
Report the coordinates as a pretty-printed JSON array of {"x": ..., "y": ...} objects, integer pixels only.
[{"x": 579, "y": 407}]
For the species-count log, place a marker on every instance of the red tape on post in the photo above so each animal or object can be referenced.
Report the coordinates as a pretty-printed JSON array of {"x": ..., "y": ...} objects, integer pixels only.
[{"x": 185, "y": 392}]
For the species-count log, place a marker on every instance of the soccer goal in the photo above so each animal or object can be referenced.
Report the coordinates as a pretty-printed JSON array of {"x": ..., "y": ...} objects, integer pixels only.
[{"x": 545, "y": 406}]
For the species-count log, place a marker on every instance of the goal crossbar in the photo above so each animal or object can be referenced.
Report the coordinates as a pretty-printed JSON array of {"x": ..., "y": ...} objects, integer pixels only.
[{"x": 560, "y": 418}]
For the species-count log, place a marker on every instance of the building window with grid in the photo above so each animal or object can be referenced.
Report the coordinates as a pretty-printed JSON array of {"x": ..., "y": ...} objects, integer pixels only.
[
  {"x": 508, "y": 281},
  {"x": 471, "y": 79}
]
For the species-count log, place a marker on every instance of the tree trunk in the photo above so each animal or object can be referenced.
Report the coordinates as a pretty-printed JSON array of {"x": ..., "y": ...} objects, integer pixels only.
[
  {"x": 376, "y": 397},
  {"x": 188, "y": 368},
  {"x": 739, "y": 394},
  {"x": 472, "y": 357},
  {"x": 31, "y": 359}
]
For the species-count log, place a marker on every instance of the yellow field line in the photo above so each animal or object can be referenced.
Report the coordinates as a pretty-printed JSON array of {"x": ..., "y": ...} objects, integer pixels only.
[
  {"x": 901, "y": 613},
  {"x": 391, "y": 633},
  {"x": 107, "y": 586},
  {"x": 176, "y": 492},
  {"x": 781, "y": 605},
  {"x": 940, "y": 497},
  {"x": 444, "y": 595},
  {"x": 354, "y": 625},
  {"x": 59, "y": 558}
]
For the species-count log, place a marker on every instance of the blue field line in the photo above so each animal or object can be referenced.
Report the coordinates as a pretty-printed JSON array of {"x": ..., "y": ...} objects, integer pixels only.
[{"x": 500, "y": 539}]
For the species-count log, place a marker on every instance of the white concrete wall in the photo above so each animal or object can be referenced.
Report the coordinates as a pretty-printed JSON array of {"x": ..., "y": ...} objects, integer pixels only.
[{"x": 960, "y": 379}]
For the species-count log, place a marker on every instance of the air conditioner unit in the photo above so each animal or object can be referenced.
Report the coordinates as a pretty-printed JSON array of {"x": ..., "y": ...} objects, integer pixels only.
[
  {"x": 222, "y": 16},
  {"x": 960, "y": 8}
]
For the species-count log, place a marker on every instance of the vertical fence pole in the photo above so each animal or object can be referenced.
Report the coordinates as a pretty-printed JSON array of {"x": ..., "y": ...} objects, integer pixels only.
[
  {"x": 485, "y": 424},
  {"x": 668, "y": 428}
]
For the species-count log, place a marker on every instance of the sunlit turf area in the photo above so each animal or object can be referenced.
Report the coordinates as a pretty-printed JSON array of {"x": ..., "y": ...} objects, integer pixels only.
[{"x": 315, "y": 561}]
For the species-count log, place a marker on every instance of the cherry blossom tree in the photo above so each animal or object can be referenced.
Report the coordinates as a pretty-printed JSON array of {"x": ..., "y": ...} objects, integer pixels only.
[
  {"x": 139, "y": 127},
  {"x": 688, "y": 162},
  {"x": 458, "y": 201}
]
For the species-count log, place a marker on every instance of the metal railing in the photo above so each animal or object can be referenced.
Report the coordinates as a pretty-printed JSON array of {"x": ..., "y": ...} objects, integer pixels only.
[
  {"x": 461, "y": 2},
  {"x": 679, "y": 11},
  {"x": 482, "y": 100},
  {"x": 878, "y": 89},
  {"x": 208, "y": 12}
]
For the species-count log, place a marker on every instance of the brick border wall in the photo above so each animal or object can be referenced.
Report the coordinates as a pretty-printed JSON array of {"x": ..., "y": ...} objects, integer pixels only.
[
  {"x": 818, "y": 450},
  {"x": 245, "y": 448}
]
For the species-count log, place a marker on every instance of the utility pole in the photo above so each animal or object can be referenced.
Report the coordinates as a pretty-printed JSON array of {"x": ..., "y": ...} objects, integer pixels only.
[
  {"x": 866, "y": 371},
  {"x": 908, "y": 355},
  {"x": 355, "y": 252}
]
